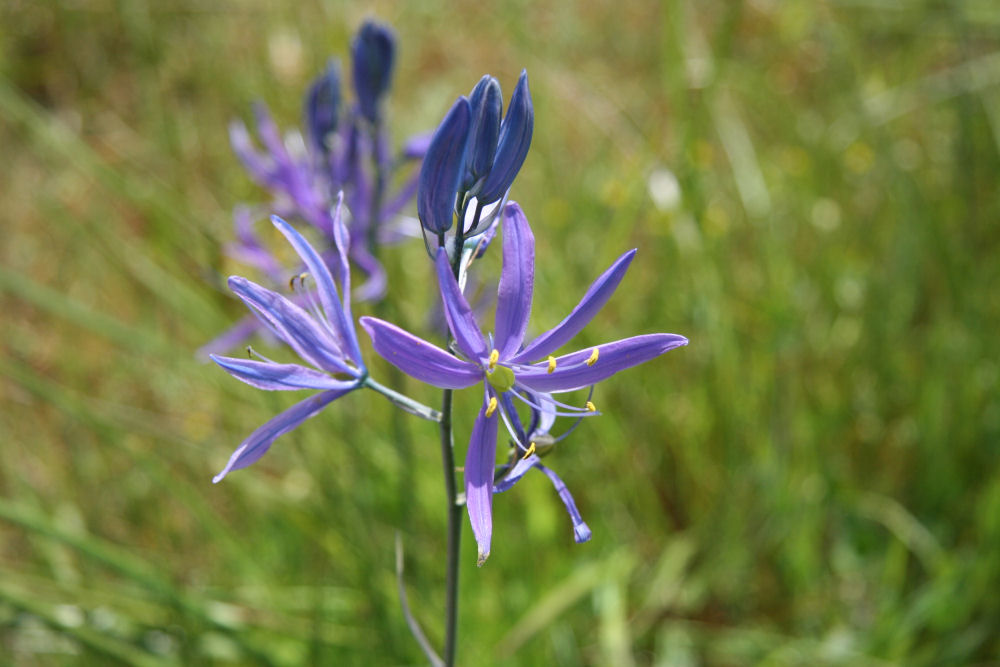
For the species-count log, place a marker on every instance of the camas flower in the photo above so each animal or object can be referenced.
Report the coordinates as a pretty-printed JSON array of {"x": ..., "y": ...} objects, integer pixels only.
[
  {"x": 324, "y": 337},
  {"x": 503, "y": 364}
]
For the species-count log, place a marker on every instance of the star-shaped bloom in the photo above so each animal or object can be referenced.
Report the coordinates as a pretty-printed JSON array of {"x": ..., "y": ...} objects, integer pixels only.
[
  {"x": 509, "y": 369},
  {"x": 322, "y": 335}
]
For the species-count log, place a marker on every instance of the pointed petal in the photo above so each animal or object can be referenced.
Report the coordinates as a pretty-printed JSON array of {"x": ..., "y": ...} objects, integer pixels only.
[
  {"x": 479, "y": 463},
  {"x": 517, "y": 281},
  {"x": 260, "y": 440},
  {"x": 326, "y": 288},
  {"x": 595, "y": 298},
  {"x": 418, "y": 358},
  {"x": 573, "y": 372},
  {"x": 279, "y": 377},
  {"x": 293, "y": 325},
  {"x": 461, "y": 321},
  {"x": 442, "y": 169},
  {"x": 514, "y": 141}
]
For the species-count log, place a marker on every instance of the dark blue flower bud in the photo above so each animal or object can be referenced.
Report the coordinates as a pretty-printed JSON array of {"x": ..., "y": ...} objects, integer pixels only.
[
  {"x": 486, "y": 103},
  {"x": 373, "y": 52},
  {"x": 515, "y": 139},
  {"x": 442, "y": 169},
  {"x": 323, "y": 106}
]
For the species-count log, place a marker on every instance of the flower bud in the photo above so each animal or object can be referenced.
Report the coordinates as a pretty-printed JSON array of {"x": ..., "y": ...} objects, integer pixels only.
[
  {"x": 486, "y": 104},
  {"x": 515, "y": 139},
  {"x": 373, "y": 53},
  {"x": 323, "y": 106},
  {"x": 442, "y": 169}
]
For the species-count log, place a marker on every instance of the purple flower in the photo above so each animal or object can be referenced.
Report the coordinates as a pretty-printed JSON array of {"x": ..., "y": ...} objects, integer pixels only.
[
  {"x": 322, "y": 335},
  {"x": 506, "y": 367}
]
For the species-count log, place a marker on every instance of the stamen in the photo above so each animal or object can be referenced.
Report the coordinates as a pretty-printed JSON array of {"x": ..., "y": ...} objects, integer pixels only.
[
  {"x": 552, "y": 363},
  {"x": 593, "y": 357},
  {"x": 494, "y": 358},
  {"x": 492, "y": 407},
  {"x": 591, "y": 406},
  {"x": 529, "y": 452},
  {"x": 249, "y": 352}
]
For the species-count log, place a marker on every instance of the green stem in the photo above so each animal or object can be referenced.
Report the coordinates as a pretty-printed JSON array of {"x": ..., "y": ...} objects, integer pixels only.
[{"x": 405, "y": 402}]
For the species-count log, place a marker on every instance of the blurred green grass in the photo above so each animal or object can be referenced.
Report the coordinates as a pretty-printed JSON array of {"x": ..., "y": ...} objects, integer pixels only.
[{"x": 814, "y": 480}]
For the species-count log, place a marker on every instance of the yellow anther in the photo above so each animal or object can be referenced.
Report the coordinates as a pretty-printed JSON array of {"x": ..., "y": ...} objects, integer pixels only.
[
  {"x": 494, "y": 358},
  {"x": 591, "y": 407},
  {"x": 529, "y": 452},
  {"x": 249, "y": 352},
  {"x": 492, "y": 407},
  {"x": 593, "y": 357},
  {"x": 301, "y": 278},
  {"x": 552, "y": 363}
]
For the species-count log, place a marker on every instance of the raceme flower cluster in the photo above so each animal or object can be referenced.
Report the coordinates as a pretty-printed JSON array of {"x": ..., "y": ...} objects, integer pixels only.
[
  {"x": 344, "y": 149},
  {"x": 336, "y": 188},
  {"x": 511, "y": 371}
]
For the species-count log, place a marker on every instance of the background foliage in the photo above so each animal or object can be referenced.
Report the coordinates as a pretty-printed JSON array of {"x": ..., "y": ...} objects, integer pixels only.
[{"x": 813, "y": 189}]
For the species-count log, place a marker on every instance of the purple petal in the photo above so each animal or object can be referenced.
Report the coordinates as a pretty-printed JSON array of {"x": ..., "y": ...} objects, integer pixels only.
[
  {"x": 260, "y": 168},
  {"x": 279, "y": 377},
  {"x": 260, "y": 440},
  {"x": 416, "y": 146},
  {"x": 230, "y": 338},
  {"x": 442, "y": 169},
  {"x": 418, "y": 358},
  {"x": 342, "y": 240},
  {"x": 573, "y": 372},
  {"x": 513, "y": 142},
  {"x": 461, "y": 321},
  {"x": 374, "y": 288},
  {"x": 293, "y": 325},
  {"x": 517, "y": 280},
  {"x": 595, "y": 298},
  {"x": 479, "y": 464},
  {"x": 325, "y": 286}
]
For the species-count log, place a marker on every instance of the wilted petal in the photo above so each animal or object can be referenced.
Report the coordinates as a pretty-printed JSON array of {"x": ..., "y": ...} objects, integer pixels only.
[
  {"x": 442, "y": 169},
  {"x": 418, "y": 358},
  {"x": 260, "y": 440},
  {"x": 479, "y": 463},
  {"x": 517, "y": 280},
  {"x": 484, "y": 132},
  {"x": 293, "y": 325},
  {"x": 572, "y": 370},
  {"x": 461, "y": 321},
  {"x": 325, "y": 286},
  {"x": 592, "y": 302},
  {"x": 581, "y": 531},
  {"x": 279, "y": 377},
  {"x": 515, "y": 140}
]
